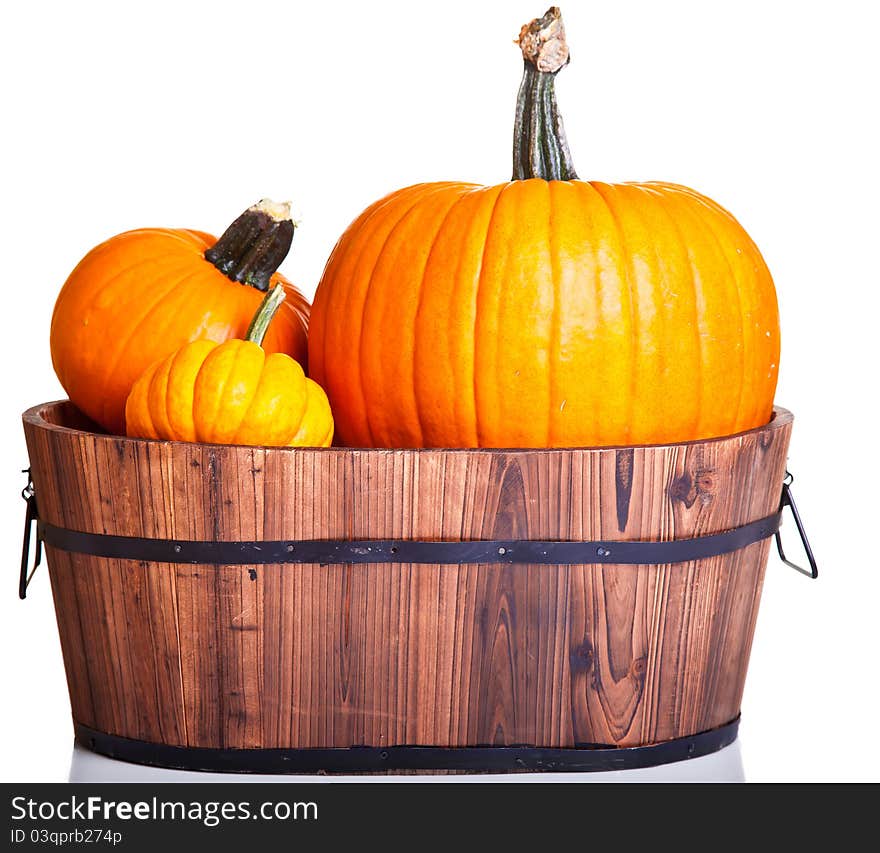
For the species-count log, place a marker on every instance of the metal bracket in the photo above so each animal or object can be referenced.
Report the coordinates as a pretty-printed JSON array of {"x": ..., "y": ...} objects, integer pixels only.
[
  {"x": 787, "y": 500},
  {"x": 31, "y": 519}
]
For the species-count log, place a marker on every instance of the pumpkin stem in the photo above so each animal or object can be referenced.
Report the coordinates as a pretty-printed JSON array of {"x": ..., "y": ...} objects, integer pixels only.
[
  {"x": 540, "y": 149},
  {"x": 270, "y": 304},
  {"x": 253, "y": 247}
]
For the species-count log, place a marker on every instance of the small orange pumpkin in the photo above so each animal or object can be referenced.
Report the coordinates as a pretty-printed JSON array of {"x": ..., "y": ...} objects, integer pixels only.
[
  {"x": 141, "y": 295},
  {"x": 231, "y": 393},
  {"x": 547, "y": 311}
]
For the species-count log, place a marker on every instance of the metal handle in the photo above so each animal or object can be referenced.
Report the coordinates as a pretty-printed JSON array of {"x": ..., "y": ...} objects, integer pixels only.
[
  {"x": 31, "y": 517},
  {"x": 787, "y": 500}
]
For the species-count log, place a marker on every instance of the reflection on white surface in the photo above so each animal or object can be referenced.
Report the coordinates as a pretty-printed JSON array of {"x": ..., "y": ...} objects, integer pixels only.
[{"x": 722, "y": 766}]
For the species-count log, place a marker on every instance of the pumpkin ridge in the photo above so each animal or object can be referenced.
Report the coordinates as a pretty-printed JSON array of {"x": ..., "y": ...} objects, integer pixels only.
[
  {"x": 543, "y": 187},
  {"x": 462, "y": 428},
  {"x": 146, "y": 234},
  {"x": 349, "y": 295},
  {"x": 633, "y": 318},
  {"x": 699, "y": 304},
  {"x": 139, "y": 399},
  {"x": 159, "y": 394},
  {"x": 154, "y": 427},
  {"x": 328, "y": 438},
  {"x": 294, "y": 299},
  {"x": 442, "y": 359},
  {"x": 251, "y": 388},
  {"x": 723, "y": 217},
  {"x": 110, "y": 245},
  {"x": 650, "y": 206},
  {"x": 347, "y": 308},
  {"x": 168, "y": 415},
  {"x": 505, "y": 265},
  {"x": 684, "y": 201},
  {"x": 420, "y": 301},
  {"x": 123, "y": 343},
  {"x": 255, "y": 398},
  {"x": 661, "y": 201},
  {"x": 623, "y": 214},
  {"x": 430, "y": 213},
  {"x": 189, "y": 241},
  {"x": 705, "y": 201},
  {"x": 108, "y": 283},
  {"x": 305, "y": 408},
  {"x": 217, "y": 394},
  {"x": 60, "y": 368},
  {"x": 256, "y": 333},
  {"x": 330, "y": 270},
  {"x": 127, "y": 270},
  {"x": 640, "y": 205},
  {"x": 306, "y": 436},
  {"x": 480, "y": 288},
  {"x": 587, "y": 195},
  {"x": 371, "y": 291},
  {"x": 707, "y": 225},
  {"x": 475, "y": 427},
  {"x": 556, "y": 317}
]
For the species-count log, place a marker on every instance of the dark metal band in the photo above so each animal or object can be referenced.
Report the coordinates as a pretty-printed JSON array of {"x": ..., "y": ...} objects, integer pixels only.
[
  {"x": 336, "y": 551},
  {"x": 367, "y": 759}
]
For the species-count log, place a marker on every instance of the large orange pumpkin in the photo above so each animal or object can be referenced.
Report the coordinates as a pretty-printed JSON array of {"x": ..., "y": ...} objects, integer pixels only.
[
  {"x": 546, "y": 311},
  {"x": 143, "y": 294}
]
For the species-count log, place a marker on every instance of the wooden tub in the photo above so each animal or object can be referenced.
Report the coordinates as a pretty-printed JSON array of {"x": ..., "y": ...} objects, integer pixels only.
[{"x": 387, "y": 651}]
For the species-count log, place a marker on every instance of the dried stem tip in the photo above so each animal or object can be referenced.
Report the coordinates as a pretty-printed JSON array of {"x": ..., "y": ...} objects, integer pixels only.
[
  {"x": 277, "y": 210},
  {"x": 543, "y": 42},
  {"x": 253, "y": 247}
]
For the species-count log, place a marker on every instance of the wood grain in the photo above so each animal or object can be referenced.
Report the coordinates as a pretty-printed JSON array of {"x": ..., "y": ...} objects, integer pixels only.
[{"x": 381, "y": 654}]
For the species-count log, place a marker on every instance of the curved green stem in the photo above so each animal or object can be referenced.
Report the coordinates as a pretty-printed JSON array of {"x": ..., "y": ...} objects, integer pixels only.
[{"x": 260, "y": 324}]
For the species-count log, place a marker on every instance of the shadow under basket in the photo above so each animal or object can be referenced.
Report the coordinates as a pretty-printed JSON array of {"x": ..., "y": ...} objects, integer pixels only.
[{"x": 289, "y": 610}]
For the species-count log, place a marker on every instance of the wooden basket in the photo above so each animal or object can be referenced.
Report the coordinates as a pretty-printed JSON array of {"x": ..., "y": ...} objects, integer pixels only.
[{"x": 387, "y": 652}]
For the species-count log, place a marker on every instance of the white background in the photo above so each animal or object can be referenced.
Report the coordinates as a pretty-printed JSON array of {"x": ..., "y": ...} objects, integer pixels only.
[{"x": 119, "y": 115}]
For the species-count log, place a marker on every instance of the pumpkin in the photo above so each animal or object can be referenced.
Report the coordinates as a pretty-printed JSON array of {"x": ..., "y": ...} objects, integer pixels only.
[
  {"x": 547, "y": 311},
  {"x": 141, "y": 295},
  {"x": 231, "y": 393}
]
